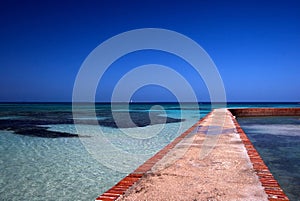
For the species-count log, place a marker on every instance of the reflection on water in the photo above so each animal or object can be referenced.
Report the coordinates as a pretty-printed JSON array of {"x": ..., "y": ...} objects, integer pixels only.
[{"x": 277, "y": 139}]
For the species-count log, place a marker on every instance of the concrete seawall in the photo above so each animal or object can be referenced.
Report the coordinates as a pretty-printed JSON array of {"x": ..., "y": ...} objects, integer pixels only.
[{"x": 233, "y": 170}]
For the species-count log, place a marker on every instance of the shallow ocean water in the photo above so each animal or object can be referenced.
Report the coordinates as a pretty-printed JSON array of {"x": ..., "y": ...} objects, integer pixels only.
[
  {"x": 35, "y": 168},
  {"x": 277, "y": 139},
  {"x": 43, "y": 155}
]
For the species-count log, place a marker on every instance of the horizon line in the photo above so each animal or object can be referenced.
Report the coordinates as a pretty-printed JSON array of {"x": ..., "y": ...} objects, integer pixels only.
[{"x": 137, "y": 102}]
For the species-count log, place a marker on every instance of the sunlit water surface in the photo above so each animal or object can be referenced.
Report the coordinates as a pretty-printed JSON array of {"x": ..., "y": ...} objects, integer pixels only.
[
  {"x": 277, "y": 139},
  {"x": 42, "y": 157}
]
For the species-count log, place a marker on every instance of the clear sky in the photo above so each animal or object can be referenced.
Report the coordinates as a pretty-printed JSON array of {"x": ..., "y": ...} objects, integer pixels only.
[{"x": 254, "y": 44}]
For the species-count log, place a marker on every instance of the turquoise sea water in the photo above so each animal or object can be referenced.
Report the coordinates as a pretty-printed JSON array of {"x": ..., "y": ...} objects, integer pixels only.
[{"x": 44, "y": 156}]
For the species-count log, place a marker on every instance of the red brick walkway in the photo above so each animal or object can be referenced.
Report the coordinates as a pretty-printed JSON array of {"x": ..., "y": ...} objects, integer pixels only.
[{"x": 271, "y": 186}]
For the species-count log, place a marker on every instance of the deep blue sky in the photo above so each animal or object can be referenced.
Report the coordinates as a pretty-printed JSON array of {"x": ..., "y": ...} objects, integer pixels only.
[{"x": 255, "y": 45}]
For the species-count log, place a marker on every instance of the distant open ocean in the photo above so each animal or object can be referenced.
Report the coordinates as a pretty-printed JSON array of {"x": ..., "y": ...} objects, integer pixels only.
[{"x": 43, "y": 156}]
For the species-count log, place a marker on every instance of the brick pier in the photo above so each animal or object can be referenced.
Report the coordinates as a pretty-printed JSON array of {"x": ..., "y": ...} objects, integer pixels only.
[{"x": 230, "y": 129}]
